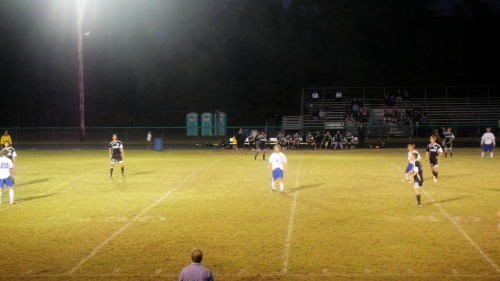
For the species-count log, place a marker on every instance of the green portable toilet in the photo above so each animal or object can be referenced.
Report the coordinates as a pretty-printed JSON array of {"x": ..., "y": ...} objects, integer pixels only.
[
  {"x": 207, "y": 124},
  {"x": 220, "y": 123},
  {"x": 192, "y": 124}
]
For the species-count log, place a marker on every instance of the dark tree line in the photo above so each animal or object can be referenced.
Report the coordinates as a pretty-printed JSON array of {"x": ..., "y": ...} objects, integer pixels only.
[{"x": 151, "y": 62}]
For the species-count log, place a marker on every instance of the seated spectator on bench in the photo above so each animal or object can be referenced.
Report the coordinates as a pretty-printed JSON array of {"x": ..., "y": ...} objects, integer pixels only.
[
  {"x": 310, "y": 140},
  {"x": 349, "y": 140},
  {"x": 296, "y": 140},
  {"x": 337, "y": 140}
]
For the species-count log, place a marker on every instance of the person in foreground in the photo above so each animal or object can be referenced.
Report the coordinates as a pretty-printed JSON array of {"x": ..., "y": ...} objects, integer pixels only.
[
  {"x": 6, "y": 167},
  {"x": 195, "y": 271},
  {"x": 418, "y": 176},
  {"x": 277, "y": 162}
]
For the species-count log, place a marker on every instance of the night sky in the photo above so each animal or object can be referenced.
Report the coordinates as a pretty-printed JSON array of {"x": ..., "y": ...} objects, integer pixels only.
[{"x": 161, "y": 59}]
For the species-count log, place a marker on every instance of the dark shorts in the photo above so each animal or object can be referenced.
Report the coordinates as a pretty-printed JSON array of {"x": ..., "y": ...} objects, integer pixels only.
[
  {"x": 240, "y": 144},
  {"x": 263, "y": 145},
  {"x": 448, "y": 146},
  {"x": 434, "y": 162},
  {"x": 116, "y": 158}
]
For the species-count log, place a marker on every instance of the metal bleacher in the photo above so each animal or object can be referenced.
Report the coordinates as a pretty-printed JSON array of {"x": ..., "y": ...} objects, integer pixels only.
[{"x": 467, "y": 108}]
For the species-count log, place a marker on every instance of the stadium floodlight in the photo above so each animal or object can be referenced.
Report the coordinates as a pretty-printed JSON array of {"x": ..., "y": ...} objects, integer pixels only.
[{"x": 80, "y": 11}]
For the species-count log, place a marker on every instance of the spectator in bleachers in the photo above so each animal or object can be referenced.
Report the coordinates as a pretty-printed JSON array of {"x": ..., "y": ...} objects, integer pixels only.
[
  {"x": 338, "y": 96},
  {"x": 365, "y": 115},
  {"x": 394, "y": 114},
  {"x": 406, "y": 96},
  {"x": 355, "y": 108},
  {"x": 310, "y": 108},
  {"x": 387, "y": 100},
  {"x": 392, "y": 100},
  {"x": 315, "y": 96},
  {"x": 316, "y": 114},
  {"x": 399, "y": 97},
  {"x": 322, "y": 114},
  {"x": 387, "y": 115}
]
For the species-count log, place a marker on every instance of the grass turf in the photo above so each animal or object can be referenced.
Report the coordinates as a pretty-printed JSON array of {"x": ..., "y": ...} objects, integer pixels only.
[{"x": 345, "y": 215}]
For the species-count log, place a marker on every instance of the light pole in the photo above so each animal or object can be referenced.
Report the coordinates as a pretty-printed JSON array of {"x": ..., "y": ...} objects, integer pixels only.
[{"x": 80, "y": 11}]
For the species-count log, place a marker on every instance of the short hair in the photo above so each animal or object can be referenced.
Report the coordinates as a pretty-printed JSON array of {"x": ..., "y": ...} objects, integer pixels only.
[
  {"x": 415, "y": 154},
  {"x": 5, "y": 152},
  {"x": 115, "y": 135},
  {"x": 196, "y": 255},
  {"x": 278, "y": 146},
  {"x": 433, "y": 137},
  {"x": 6, "y": 142},
  {"x": 411, "y": 145}
]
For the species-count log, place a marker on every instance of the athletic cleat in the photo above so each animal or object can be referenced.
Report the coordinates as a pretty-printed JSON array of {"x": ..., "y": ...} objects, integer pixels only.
[
  {"x": 419, "y": 205},
  {"x": 435, "y": 179},
  {"x": 255, "y": 158},
  {"x": 410, "y": 181},
  {"x": 403, "y": 179},
  {"x": 273, "y": 190}
]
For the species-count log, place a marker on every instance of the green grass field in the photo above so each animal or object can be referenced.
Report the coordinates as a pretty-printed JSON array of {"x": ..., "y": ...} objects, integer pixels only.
[{"x": 345, "y": 215}]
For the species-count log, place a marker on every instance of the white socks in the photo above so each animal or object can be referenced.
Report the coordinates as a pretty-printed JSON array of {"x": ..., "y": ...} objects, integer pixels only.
[
  {"x": 491, "y": 155},
  {"x": 11, "y": 195},
  {"x": 282, "y": 186},
  {"x": 406, "y": 176},
  {"x": 273, "y": 185}
]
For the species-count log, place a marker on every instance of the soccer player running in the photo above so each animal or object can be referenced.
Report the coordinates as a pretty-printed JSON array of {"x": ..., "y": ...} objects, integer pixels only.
[
  {"x": 116, "y": 154},
  {"x": 447, "y": 142},
  {"x": 411, "y": 163},
  {"x": 277, "y": 163},
  {"x": 488, "y": 143},
  {"x": 433, "y": 153},
  {"x": 417, "y": 176},
  {"x": 6, "y": 167}
]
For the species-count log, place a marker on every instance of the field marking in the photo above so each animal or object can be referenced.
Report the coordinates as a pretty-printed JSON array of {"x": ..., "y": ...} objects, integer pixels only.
[
  {"x": 455, "y": 223},
  {"x": 136, "y": 218},
  {"x": 291, "y": 219}
]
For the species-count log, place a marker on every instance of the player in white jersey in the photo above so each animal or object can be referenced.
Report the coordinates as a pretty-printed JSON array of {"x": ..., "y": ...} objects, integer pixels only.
[
  {"x": 277, "y": 163},
  {"x": 488, "y": 143},
  {"x": 410, "y": 163},
  {"x": 6, "y": 167}
]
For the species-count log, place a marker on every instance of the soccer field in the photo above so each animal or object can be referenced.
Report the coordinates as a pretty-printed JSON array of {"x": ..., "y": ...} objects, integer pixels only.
[{"x": 345, "y": 215}]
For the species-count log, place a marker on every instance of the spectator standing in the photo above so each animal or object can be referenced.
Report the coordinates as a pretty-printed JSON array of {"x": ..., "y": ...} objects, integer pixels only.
[
  {"x": 240, "y": 140},
  {"x": 337, "y": 140},
  {"x": 361, "y": 135},
  {"x": 5, "y": 137},
  {"x": 149, "y": 136},
  {"x": 195, "y": 271}
]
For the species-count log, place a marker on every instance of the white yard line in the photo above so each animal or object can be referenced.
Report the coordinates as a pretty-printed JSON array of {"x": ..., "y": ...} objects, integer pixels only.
[
  {"x": 99, "y": 247},
  {"x": 291, "y": 219},
  {"x": 457, "y": 226}
]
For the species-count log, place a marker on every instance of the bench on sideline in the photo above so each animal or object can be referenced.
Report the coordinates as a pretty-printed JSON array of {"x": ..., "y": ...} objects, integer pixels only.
[{"x": 273, "y": 141}]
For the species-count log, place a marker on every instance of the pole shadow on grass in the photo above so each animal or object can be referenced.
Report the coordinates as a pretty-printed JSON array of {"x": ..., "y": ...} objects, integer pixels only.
[
  {"x": 302, "y": 187},
  {"x": 26, "y": 183},
  {"x": 448, "y": 200},
  {"x": 141, "y": 173},
  {"x": 35, "y": 197}
]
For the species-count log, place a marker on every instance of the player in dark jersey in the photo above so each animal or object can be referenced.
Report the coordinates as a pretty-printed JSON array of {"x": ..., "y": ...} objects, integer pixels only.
[
  {"x": 281, "y": 139},
  {"x": 318, "y": 139},
  {"x": 310, "y": 140},
  {"x": 418, "y": 176},
  {"x": 327, "y": 140},
  {"x": 288, "y": 141},
  {"x": 349, "y": 138},
  {"x": 251, "y": 141},
  {"x": 296, "y": 140},
  {"x": 116, "y": 154},
  {"x": 433, "y": 153},
  {"x": 447, "y": 142},
  {"x": 262, "y": 145}
]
